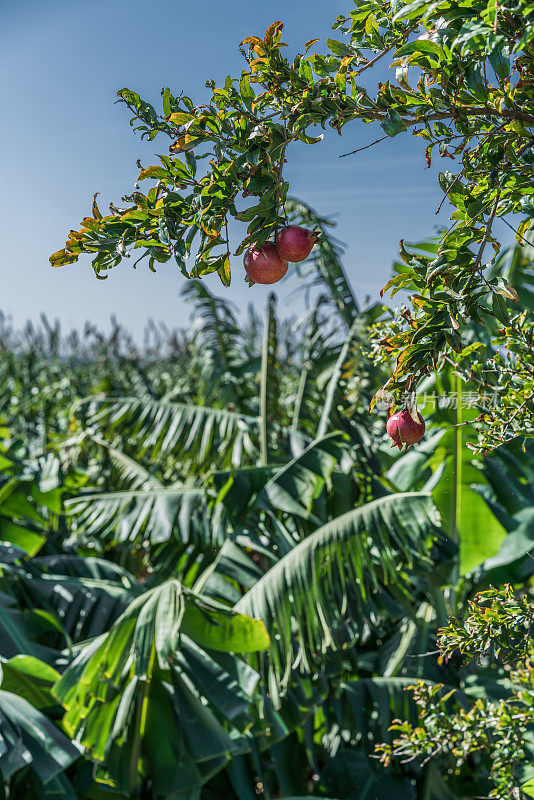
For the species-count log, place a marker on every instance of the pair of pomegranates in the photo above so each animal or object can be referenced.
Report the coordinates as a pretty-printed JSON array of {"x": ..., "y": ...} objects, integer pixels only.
[
  {"x": 403, "y": 429},
  {"x": 268, "y": 263}
]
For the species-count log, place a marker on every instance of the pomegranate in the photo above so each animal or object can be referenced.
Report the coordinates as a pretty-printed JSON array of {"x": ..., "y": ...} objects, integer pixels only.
[
  {"x": 404, "y": 430},
  {"x": 392, "y": 429},
  {"x": 294, "y": 243},
  {"x": 264, "y": 264}
]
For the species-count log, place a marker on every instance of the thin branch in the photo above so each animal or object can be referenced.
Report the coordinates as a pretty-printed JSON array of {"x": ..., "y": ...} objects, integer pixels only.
[
  {"x": 525, "y": 241},
  {"x": 384, "y": 52},
  {"x": 359, "y": 149},
  {"x": 447, "y": 194},
  {"x": 487, "y": 232},
  {"x": 279, "y": 178},
  {"x": 476, "y": 111}
]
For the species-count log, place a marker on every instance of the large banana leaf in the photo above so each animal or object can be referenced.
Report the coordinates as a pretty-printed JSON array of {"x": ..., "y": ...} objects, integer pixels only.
[
  {"x": 21, "y": 522},
  {"x": 151, "y": 515},
  {"x": 292, "y": 488},
  {"x": 221, "y": 370},
  {"x": 361, "y": 778},
  {"x": 144, "y": 511},
  {"x": 362, "y": 711},
  {"x": 23, "y": 631},
  {"x": 30, "y": 679},
  {"x": 470, "y": 522},
  {"x": 304, "y": 595},
  {"x": 27, "y": 737},
  {"x": 148, "y": 699},
  {"x": 455, "y": 476},
  {"x": 252, "y": 497},
  {"x": 60, "y": 598},
  {"x": 199, "y": 435}
]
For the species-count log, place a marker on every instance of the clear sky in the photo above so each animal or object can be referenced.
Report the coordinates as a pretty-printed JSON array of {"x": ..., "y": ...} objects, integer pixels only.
[{"x": 62, "y": 139}]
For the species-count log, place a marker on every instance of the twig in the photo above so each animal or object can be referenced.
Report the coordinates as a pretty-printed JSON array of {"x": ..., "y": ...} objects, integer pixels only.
[
  {"x": 487, "y": 232},
  {"x": 279, "y": 179},
  {"x": 447, "y": 193},
  {"x": 476, "y": 111},
  {"x": 227, "y": 238},
  {"x": 359, "y": 149},
  {"x": 397, "y": 41},
  {"x": 525, "y": 241}
]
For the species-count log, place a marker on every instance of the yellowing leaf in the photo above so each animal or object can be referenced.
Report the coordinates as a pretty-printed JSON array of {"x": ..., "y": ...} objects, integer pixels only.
[
  {"x": 418, "y": 300},
  {"x": 62, "y": 257},
  {"x": 179, "y": 118},
  {"x": 224, "y": 272},
  {"x": 90, "y": 224},
  {"x": 184, "y": 143},
  {"x": 256, "y": 63},
  {"x": 152, "y": 172},
  {"x": 509, "y": 292},
  {"x": 380, "y": 395},
  {"x": 96, "y": 210},
  {"x": 394, "y": 281},
  {"x": 256, "y": 43},
  {"x": 273, "y": 32},
  {"x": 207, "y": 230}
]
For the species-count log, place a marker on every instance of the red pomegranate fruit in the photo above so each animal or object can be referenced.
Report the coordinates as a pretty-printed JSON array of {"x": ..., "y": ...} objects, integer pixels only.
[
  {"x": 294, "y": 243},
  {"x": 264, "y": 264},
  {"x": 404, "y": 430},
  {"x": 392, "y": 428}
]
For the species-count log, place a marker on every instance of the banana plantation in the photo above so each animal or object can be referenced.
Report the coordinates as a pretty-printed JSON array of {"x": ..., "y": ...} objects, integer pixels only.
[
  {"x": 261, "y": 555},
  {"x": 218, "y": 580}
]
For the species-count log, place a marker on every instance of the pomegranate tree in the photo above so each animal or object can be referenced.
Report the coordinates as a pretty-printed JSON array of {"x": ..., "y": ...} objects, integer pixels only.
[
  {"x": 295, "y": 243},
  {"x": 264, "y": 264},
  {"x": 403, "y": 429}
]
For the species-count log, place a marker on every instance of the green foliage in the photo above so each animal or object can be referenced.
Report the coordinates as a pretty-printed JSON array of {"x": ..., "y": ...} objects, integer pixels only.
[
  {"x": 498, "y": 626},
  {"x": 230, "y": 486},
  {"x": 495, "y": 737},
  {"x": 342, "y": 553},
  {"x": 227, "y": 481},
  {"x": 463, "y": 75},
  {"x": 134, "y": 696}
]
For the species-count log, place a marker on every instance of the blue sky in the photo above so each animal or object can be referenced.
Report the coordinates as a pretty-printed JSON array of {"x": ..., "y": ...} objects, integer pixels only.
[{"x": 62, "y": 139}]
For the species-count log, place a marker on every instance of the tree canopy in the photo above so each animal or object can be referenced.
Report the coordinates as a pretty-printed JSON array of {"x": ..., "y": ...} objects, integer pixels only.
[{"x": 463, "y": 85}]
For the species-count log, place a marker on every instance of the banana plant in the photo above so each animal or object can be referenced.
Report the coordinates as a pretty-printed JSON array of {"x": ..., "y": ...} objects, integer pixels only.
[{"x": 160, "y": 698}]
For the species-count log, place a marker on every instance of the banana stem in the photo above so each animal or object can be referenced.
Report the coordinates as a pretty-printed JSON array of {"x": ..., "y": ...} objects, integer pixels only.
[
  {"x": 263, "y": 393},
  {"x": 334, "y": 380}
]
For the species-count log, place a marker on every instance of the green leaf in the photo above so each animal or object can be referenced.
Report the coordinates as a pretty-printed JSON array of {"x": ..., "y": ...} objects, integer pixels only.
[
  {"x": 340, "y": 48},
  {"x": 304, "y": 590},
  {"x": 476, "y": 83},
  {"x": 245, "y": 88},
  {"x": 304, "y": 137},
  {"x": 222, "y": 629},
  {"x": 30, "y": 739},
  {"x": 420, "y": 46},
  {"x": 500, "y": 62},
  {"x": 499, "y": 308},
  {"x": 153, "y": 172},
  {"x": 147, "y": 690},
  {"x": 31, "y": 679},
  {"x": 393, "y": 124}
]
